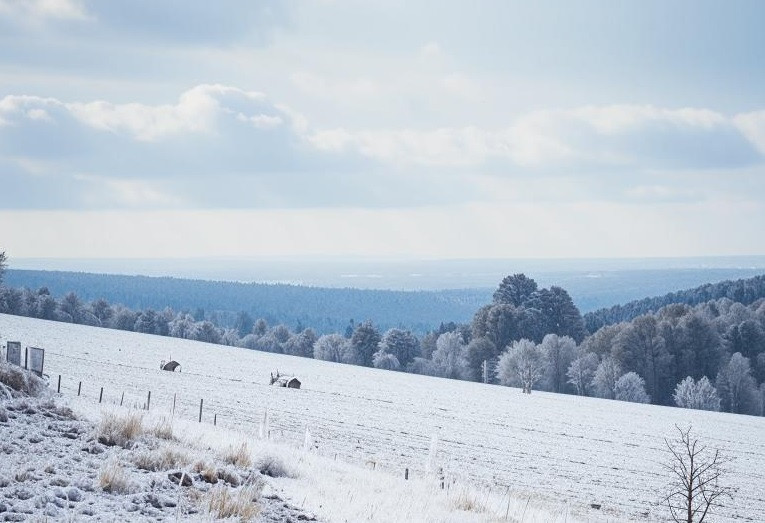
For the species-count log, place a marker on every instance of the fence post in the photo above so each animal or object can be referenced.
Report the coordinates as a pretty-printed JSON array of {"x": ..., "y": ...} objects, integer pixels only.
[
  {"x": 148, "y": 401},
  {"x": 101, "y": 395},
  {"x": 215, "y": 420},
  {"x": 79, "y": 388},
  {"x": 173, "y": 415},
  {"x": 58, "y": 389},
  {"x": 122, "y": 398},
  {"x": 406, "y": 473},
  {"x": 201, "y": 401}
]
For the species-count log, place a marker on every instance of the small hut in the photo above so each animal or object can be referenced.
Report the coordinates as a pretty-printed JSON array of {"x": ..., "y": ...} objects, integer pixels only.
[
  {"x": 290, "y": 382},
  {"x": 170, "y": 365}
]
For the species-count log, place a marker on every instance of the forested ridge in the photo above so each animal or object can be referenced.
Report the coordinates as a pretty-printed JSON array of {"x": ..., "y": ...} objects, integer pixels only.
[
  {"x": 745, "y": 291},
  {"x": 326, "y": 310},
  {"x": 705, "y": 356}
]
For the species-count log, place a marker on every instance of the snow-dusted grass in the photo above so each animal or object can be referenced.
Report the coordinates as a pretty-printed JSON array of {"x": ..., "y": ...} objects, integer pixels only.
[{"x": 542, "y": 457}]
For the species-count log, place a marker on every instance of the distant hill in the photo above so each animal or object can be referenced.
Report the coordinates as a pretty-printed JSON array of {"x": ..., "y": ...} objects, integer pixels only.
[
  {"x": 744, "y": 291},
  {"x": 323, "y": 309}
]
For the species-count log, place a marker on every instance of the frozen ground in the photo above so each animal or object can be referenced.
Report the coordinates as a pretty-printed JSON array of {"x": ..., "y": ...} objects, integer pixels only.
[{"x": 561, "y": 452}]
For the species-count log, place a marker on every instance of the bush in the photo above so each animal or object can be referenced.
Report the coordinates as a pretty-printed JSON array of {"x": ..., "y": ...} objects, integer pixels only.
[
  {"x": 273, "y": 466},
  {"x": 162, "y": 459},
  {"x": 21, "y": 381}
]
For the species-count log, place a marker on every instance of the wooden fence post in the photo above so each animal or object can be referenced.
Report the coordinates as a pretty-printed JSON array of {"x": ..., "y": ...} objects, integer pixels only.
[
  {"x": 406, "y": 473},
  {"x": 201, "y": 401},
  {"x": 215, "y": 420},
  {"x": 122, "y": 398},
  {"x": 148, "y": 401},
  {"x": 101, "y": 395},
  {"x": 173, "y": 414},
  {"x": 58, "y": 389},
  {"x": 79, "y": 388}
]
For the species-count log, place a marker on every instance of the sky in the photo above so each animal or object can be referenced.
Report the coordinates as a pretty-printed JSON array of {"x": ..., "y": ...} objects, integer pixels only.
[{"x": 381, "y": 128}]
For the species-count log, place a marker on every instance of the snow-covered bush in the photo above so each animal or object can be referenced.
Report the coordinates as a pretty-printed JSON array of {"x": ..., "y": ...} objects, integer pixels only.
[
  {"x": 631, "y": 387},
  {"x": 15, "y": 380},
  {"x": 274, "y": 466},
  {"x": 113, "y": 478},
  {"x": 700, "y": 395}
]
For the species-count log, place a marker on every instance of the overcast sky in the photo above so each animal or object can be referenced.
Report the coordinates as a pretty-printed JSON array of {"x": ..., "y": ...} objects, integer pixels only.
[{"x": 381, "y": 128}]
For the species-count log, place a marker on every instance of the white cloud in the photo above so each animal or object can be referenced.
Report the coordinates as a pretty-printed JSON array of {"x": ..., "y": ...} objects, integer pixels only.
[
  {"x": 37, "y": 10},
  {"x": 752, "y": 125},
  {"x": 104, "y": 191}
]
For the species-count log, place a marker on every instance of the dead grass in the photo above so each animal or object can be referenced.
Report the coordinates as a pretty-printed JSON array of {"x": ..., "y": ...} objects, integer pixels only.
[
  {"x": 120, "y": 430},
  {"x": 113, "y": 478},
  {"x": 222, "y": 502},
  {"x": 164, "y": 458},
  {"x": 238, "y": 456},
  {"x": 467, "y": 500},
  {"x": 163, "y": 429},
  {"x": 207, "y": 471}
]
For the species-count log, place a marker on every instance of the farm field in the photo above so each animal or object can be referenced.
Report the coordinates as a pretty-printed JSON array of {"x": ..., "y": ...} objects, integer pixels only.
[{"x": 572, "y": 450}]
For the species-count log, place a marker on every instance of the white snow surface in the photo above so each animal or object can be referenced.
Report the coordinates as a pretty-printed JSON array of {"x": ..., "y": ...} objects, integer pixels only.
[{"x": 563, "y": 452}]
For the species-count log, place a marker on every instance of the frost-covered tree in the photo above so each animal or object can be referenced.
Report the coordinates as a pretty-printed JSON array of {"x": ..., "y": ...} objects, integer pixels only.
[
  {"x": 243, "y": 323},
  {"x": 641, "y": 348},
  {"x": 449, "y": 357},
  {"x": 3, "y": 265},
  {"x": 230, "y": 337},
  {"x": 385, "y": 360},
  {"x": 181, "y": 326},
  {"x": 401, "y": 343},
  {"x": 736, "y": 387},
  {"x": 260, "y": 327},
  {"x": 301, "y": 344},
  {"x": 515, "y": 289},
  {"x": 700, "y": 395},
  {"x": 631, "y": 387},
  {"x": 581, "y": 371},
  {"x": 606, "y": 375},
  {"x": 364, "y": 342},
  {"x": 421, "y": 366},
  {"x": 333, "y": 347},
  {"x": 478, "y": 351},
  {"x": 522, "y": 363},
  {"x": 560, "y": 352},
  {"x": 72, "y": 308},
  {"x": 205, "y": 331}
]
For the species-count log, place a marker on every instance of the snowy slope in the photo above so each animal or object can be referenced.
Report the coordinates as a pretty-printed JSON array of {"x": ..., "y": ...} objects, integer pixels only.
[{"x": 573, "y": 450}]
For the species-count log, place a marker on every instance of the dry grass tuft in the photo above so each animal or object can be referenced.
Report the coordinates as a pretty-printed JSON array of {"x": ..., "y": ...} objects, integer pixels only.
[
  {"x": 467, "y": 501},
  {"x": 163, "y": 429},
  {"x": 122, "y": 431},
  {"x": 164, "y": 458},
  {"x": 238, "y": 456},
  {"x": 223, "y": 502},
  {"x": 207, "y": 471},
  {"x": 113, "y": 478}
]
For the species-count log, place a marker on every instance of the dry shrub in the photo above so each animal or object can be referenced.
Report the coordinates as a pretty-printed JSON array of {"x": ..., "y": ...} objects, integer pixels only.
[
  {"x": 20, "y": 380},
  {"x": 122, "y": 431},
  {"x": 163, "y": 429},
  {"x": 274, "y": 466},
  {"x": 223, "y": 502},
  {"x": 113, "y": 478},
  {"x": 164, "y": 458},
  {"x": 238, "y": 456}
]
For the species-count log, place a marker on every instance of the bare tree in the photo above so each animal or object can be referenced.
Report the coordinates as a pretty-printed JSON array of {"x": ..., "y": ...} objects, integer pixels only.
[{"x": 696, "y": 472}]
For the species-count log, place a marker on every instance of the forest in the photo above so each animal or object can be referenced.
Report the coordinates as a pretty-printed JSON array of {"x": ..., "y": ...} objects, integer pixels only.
[{"x": 706, "y": 354}]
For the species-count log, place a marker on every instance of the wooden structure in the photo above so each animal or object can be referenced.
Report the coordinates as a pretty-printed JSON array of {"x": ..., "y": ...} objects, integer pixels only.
[
  {"x": 170, "y": 365},
  {"x": 290, "y": 382}
]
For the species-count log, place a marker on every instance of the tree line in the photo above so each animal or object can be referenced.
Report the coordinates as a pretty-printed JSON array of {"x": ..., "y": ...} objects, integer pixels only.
[
  {"x": 744, "y": 291},
  {"x": 709, "y": 356}
]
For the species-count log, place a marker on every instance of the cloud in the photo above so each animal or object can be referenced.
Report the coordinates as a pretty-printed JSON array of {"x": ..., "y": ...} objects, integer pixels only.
[
  {"x": 34, "y": 11},
  {"x": 752, "y": 125},
  {"x": 222, "y": 146},
  {"x": 623, "y": 136}
]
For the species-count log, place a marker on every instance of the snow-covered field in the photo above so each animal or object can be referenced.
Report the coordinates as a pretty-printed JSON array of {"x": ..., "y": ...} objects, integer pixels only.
[{"x": 570, "y": 451}]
